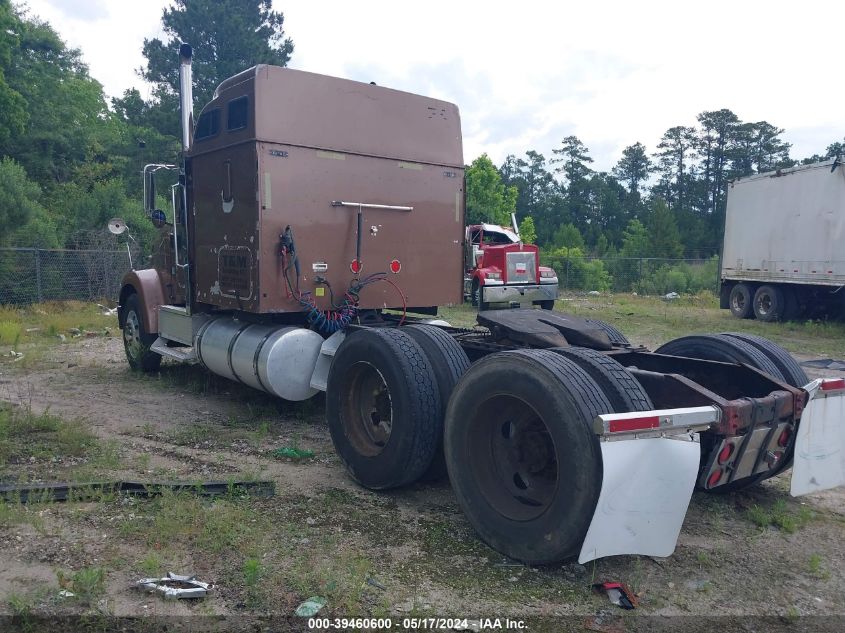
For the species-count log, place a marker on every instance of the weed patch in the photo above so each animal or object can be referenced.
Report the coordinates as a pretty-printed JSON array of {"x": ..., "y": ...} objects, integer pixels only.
[{"x": 779, "y": 515}]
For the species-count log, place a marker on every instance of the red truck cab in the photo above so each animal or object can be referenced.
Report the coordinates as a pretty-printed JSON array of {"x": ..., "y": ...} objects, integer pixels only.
[{"x": 500, "y": 268}]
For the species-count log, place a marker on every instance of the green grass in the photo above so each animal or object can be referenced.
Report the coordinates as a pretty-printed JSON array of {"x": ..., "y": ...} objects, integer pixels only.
[
  {"x": 781, "y": 516},
  {"x": 87, "y": 584},
  {"x": 816, "y": 567},
  {"x": 25, "y": 435},
  {"x": 48, "y": 320}
]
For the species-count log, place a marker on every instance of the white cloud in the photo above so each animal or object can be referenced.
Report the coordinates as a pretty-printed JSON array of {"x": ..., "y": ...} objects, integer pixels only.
[{"x": 527, "y": 74}]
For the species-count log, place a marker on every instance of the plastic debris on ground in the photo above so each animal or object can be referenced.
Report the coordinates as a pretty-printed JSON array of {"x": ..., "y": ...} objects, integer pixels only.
[
  {"x": 618, "y": 593},
  {"x": 375, "y": 583},
  {"x": 310, "y": 607},
  {"x": 671, "y": 295},
  {"x": 176, "y": 587},
  {"x": 292, "y": 453}
]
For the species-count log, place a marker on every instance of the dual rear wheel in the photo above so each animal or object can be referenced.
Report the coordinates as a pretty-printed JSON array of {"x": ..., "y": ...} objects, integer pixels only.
[
  {"x": 515, "y": 430},
  {"x": 766, "y": 303}
]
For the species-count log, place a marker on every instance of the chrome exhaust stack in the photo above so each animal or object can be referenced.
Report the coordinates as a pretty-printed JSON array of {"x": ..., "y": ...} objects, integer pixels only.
[{"x": 186, "y": 99}]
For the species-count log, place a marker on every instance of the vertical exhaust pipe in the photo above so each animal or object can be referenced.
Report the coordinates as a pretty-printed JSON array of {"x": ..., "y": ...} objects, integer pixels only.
[{"x": 186, "y": 98}]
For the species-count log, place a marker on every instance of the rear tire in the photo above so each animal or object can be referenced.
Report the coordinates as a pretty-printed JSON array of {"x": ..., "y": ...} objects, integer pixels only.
[
  {"x": 792, "y": 374},
  {"x": 383, "y": 408},
  {"x": 136, "y": 341},
  {"x": 546, "y": 305},
  {"x": 449, "y": 362},
  {"x": 788, "y": 366},
  {"x": 725, "y": 348},
  {"x": 720, "y": 347},
  {"x": 740, "y": 301},
  {"x": 524, "y": 462},
  {"x": 616, "y": 337},
  {"x": 623, "y": 391},
  {"x": 769, "y": 303}
]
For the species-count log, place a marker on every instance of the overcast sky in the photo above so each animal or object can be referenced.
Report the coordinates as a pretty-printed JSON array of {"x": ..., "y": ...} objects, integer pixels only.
[{"x": 526, "y": 74}]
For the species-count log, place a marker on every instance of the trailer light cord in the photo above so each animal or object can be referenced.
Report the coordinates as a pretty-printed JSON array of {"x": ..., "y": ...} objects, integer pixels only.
[{"x": 341, "y": 315}]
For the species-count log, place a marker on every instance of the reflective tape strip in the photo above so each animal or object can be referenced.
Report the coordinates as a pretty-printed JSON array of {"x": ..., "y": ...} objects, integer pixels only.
[{"x": 665, "y": 421}]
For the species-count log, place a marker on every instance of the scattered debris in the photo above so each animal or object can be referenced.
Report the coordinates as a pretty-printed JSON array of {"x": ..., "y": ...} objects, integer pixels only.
[
  {"x": 61, "y": 337},
  {"x": 824, "y": 363},
  {"x": 30, "y": 330},
  {"x": 375, "y": 583},
  {"x": 292, "y": 453},
  {"x": 81, "y": 491},
  {"x": 634, "y": 294},
  {"x": 107, "y": 311},
  {"x": 618, "y": 593},
  {"x": 671, "y": 296},
  {"x": 64, "y": 593},
  {"x": 594, "y": 293},
  {"x": 310, "y": 607},
  {"x": 175, "y": 587},
  {"x": 75, "y": 331}
]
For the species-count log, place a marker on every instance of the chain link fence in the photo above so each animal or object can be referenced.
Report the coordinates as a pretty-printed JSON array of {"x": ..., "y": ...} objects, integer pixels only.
[
  {"x": 643, "y": 275},
  {"x": 33, "y": 275}
]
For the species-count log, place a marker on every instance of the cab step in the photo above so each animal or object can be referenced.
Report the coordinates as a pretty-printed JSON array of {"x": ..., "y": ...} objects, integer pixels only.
[{"x": 184, "y": 355}]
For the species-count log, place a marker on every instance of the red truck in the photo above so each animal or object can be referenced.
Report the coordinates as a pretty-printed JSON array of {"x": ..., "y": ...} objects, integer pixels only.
[
  {"x": 501, "y": 269},
  {"x": 317, "y": 225}
]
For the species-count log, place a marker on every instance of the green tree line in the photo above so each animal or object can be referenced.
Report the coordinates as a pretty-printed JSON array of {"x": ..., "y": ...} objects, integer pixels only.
[
  {"x": 665, "y": 203},
  {"x": 71, "y": 159}
]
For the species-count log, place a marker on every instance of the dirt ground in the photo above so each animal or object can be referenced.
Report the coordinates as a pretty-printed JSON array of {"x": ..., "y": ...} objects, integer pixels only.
[{"x": 406, "y": 553}]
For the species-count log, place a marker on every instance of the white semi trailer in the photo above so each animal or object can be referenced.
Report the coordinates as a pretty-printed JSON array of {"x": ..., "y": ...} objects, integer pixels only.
[{"x": 783, "y": 254}]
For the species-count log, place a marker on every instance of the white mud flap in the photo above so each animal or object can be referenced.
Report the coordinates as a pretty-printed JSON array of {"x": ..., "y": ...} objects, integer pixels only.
[
  {"x": 819, "y": 462},
  {"x": 644, "y": 497}
]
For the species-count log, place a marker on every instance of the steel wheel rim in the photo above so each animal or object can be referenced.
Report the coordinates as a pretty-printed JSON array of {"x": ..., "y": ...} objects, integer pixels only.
[
  {"x": 132, "y": 335},
  {"x": 514, "y": 461},
  {"x": 738, "y": 302},
  {"x": 764, "y": 304},
  {"x": 367, "y": 410}
]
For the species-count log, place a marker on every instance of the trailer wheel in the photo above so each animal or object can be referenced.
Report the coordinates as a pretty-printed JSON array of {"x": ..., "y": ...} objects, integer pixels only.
[
  {"x": 616, "y": 337},
  {"x": 136, "y": 341},
  {"x": 788, "y": 366},
  {"x": 524, "y": 462},
  {"x": 548, "y": 304},
  {"x": 740, "y": 302},
  {"x": 449, "y": 362},
  {"x": 383, "y": 408},
  {"x": 768, "y": 303},
  {"x": 623, "y": 391}
]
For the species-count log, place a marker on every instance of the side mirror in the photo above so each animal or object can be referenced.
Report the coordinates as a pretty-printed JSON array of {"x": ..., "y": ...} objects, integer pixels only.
[
  {"x": 117, "y": 226},
  {"x": 159, "y": 218}
]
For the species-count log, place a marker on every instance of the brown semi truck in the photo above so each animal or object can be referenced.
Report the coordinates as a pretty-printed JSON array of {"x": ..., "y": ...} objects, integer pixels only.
[{"x": 317, "y": 225}]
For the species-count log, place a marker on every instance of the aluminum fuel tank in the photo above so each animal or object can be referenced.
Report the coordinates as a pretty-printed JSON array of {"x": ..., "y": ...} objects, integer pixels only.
[{"x": 278, "y": 360}]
